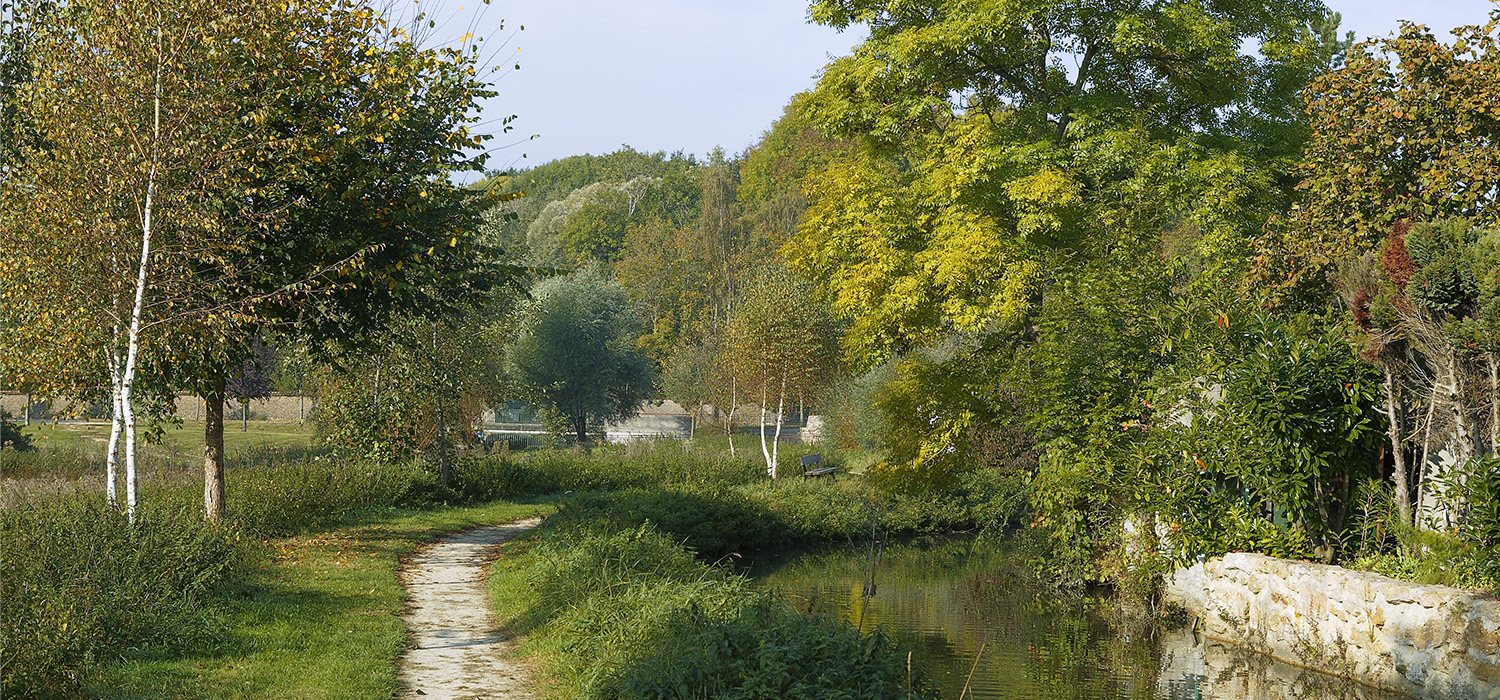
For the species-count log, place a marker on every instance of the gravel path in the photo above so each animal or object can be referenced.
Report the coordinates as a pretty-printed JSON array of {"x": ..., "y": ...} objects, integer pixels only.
[{"x": 457, "y": 653}]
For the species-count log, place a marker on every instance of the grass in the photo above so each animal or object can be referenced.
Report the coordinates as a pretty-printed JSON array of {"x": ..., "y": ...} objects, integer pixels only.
[
  {"x": 184, "y": 442},
  {"x": 308, "y": 605},
  {"x": 317, "y": 616},
  {"x": 630, "y": 614}
]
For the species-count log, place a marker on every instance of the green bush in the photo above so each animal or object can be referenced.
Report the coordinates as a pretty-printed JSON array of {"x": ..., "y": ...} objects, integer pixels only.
[
  {"x": 297, "y": 495},
  {"x": 11, "y": 435},
  {"x": 631, "y": 615},
  {"x": 82, "y": 587}
]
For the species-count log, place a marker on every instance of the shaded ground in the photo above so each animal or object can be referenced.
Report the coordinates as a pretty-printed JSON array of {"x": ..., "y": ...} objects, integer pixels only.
[{"x": 457, "y": 649}]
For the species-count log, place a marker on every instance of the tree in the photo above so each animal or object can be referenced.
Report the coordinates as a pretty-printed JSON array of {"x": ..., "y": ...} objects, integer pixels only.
[
  {"x": 986, "y": 168},
  {"x": 1399, "y": 180},
  {"x": 574, "y": 352},
  {"x": 131, "y": 145},
  {"x": 1405, "y": 130},
  {"x": 302, "y": 188},
  {"x": 780, "y": 345},
  {"x": 431, "y": 375},
  {"x": 688, "y": 379}
]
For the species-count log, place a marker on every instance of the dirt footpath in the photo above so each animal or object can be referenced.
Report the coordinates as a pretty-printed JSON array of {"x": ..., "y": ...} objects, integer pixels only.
[{"x": 457, "y": 653}]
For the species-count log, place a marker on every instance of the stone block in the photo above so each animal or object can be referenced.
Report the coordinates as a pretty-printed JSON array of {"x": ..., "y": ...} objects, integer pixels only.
[{"x": 1427, "y": 641}]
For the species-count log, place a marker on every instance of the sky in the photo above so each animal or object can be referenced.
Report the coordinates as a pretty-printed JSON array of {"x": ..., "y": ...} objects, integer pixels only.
[{"x": 668, "y": 75}]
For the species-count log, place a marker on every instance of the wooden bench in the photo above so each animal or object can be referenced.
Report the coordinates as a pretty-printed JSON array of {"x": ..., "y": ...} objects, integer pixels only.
[{"x": 811, "y": 468}]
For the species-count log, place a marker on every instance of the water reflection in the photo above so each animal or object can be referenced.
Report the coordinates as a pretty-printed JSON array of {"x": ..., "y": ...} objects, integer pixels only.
[{"x": 942, "y": 598}]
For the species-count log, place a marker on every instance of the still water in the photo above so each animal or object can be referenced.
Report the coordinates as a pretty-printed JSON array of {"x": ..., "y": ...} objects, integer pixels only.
[{"x": 941, "y": 599}]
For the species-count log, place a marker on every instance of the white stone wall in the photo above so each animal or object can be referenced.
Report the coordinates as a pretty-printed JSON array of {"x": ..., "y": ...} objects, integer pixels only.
[{"x": 1427, "y": 641}]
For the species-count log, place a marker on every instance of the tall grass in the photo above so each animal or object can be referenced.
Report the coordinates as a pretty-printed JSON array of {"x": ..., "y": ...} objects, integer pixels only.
[
  {"x": 82, "y": 588},
  {"x": 630, "y": 614}
]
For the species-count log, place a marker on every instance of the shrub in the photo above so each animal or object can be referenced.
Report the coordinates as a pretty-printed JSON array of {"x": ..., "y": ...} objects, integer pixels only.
[
  {"x": 82, "y": 587},
  {"x": 12, "y": 437}
]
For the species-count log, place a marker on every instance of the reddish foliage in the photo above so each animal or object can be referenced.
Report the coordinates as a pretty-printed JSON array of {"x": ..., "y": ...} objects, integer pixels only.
[
  {"x": 1362, "y": 309},
  {"x": 1397, "y": 261}
]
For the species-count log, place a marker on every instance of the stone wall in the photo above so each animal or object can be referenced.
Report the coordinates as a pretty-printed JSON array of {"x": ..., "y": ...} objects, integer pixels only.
[
  {"x": 1426, "y": 641},
  {"x": 277, "y": 408}
]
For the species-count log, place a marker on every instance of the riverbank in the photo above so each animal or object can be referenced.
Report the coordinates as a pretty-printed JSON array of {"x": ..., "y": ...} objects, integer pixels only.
[{"x": 1423, "y": 640}]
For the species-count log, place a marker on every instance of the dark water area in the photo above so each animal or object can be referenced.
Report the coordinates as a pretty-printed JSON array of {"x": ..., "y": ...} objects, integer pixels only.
[{"x": 942, "y": 598}]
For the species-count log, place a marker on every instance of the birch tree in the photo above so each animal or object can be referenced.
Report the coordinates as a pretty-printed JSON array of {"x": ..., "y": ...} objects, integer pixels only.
[
  {"x": 134, "y": 119},
  {"x": 780, "y": 348},
  {"x": 205, "y": 172}
]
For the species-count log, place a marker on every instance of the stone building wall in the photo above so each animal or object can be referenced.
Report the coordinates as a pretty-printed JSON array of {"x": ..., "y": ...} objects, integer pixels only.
[{"x": 1426, "y": 641}]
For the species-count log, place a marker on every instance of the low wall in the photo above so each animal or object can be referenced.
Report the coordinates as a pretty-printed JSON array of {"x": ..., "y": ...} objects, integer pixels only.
[
  {"x": 277, "y": 408},
  {"x": 1426, "y": 641}
]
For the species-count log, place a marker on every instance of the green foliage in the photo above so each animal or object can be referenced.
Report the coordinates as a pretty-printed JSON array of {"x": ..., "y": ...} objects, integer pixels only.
[
  {"x": 853, "y": 419},
  {"x": 83, "y": 587},
  {"x": 1400, "y": 132},
  {"x": 574, "y": 352},
  {"x": 11, "y": 435},
  {"x": 936, "y": 411},
  {"x": 630, "y": 615},
  {"x": 1466, "y": 557},
  {"x": 429, "y": 383}
]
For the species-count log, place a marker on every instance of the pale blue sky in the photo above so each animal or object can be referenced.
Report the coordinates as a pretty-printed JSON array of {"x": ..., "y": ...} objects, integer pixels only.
[{"x": 693, "y": 74}]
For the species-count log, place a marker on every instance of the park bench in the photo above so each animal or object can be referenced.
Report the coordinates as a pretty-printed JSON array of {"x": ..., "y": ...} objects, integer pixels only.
[{"x": 812, "y": 468}]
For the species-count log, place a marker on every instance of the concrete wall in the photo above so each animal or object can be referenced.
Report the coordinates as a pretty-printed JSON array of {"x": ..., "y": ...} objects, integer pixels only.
[{"x": 1426, "y": 641}]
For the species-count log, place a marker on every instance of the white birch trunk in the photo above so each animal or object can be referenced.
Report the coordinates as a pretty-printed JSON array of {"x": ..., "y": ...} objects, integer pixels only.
[
  {"x": 734, "y": 405},
  {"x": 133, "y": 347},
  {"x": 764, "y": 450},
  {"x": 1398, "y": 454},
  {"x": 116, "y": 421},
  {"x": 780, "y": 413},
  {"x": 1424, "y": 467}
]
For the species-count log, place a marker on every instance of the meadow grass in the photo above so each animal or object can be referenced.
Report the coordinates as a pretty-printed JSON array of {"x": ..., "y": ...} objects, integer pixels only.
[
  {"x": 182, "y": 442},
  {"x": 317, "y": 615},
  {"x": 630, "y": 614}
]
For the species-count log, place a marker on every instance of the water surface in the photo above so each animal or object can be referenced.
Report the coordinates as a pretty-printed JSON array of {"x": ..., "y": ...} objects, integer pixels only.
[{"x": 941, "y": 599}]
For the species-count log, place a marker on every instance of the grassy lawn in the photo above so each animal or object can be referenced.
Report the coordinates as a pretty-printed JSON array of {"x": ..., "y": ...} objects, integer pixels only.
[
  {"x": 178, "y": 442},
  {"x": 318, "y": 617}
]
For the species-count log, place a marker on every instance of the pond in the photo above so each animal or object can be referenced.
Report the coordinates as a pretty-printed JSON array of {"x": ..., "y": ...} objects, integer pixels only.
[{"x": 942, "y": 599}]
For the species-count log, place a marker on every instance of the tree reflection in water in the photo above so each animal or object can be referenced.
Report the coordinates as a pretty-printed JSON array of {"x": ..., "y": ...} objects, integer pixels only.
[{"x": 944, "y": 597}]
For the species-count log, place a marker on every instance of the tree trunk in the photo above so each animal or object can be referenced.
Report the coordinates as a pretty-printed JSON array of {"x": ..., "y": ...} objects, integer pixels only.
[
  {"x": 245, "y": 416},
  {"x": 26, "y": 410},
  {"x": 776, "y": 442},
  {"x": 116, "y": 423},
  {"x": 734, "y": 405},
  {"x": 764, "y": 450},
  {"x": 213, "y": 453},
  {"x": 442, "y": 442},
  {"x": 1422, "y": 467},
  {"x": 1466, "y": 436},
  {"x": 1494, "y": 401},
  {"x": 375, "y": 404},
  {"x": 1398, "y": 453},
  {"x": 581, "y": 429},
  {"x": 133, "y": 342}
]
